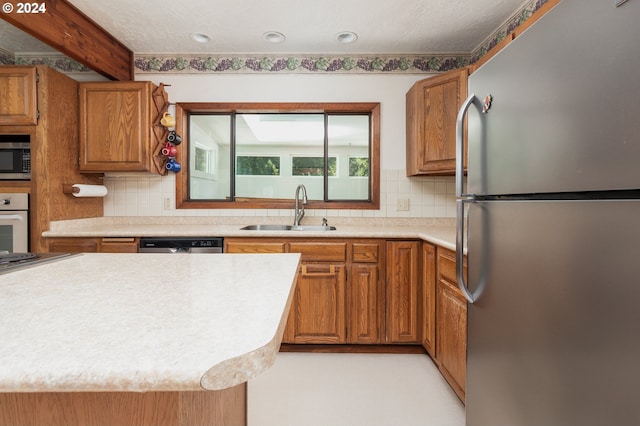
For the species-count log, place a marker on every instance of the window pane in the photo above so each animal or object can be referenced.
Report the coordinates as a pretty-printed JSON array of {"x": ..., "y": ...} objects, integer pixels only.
[
  {"x": 348, "y": 137},
  {"x": 268, "y": 136},
  {"x": 209, "y": 157}
]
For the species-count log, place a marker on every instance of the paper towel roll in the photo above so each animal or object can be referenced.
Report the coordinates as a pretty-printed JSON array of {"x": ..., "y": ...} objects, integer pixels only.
[{"x": 81, "y": 190}]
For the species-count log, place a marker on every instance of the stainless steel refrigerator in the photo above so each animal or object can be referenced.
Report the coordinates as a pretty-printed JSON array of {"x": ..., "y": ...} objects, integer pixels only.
[{"x": 550, "y": 217}]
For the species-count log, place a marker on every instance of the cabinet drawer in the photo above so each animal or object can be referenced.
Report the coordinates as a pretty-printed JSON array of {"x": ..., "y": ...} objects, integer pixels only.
[
  {"x": 256, "y": 247},
  {"x": 447, "y": 265},
  {"x": 320, "y": 252},
  {"x": 119, "y": 245},
  {"x": 365, "y": 253}
]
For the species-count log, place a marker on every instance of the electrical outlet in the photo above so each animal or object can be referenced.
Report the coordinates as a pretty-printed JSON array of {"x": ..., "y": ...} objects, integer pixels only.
[
  {"x": 167, "y": 203},
  {"x": 402, "y": 204}
]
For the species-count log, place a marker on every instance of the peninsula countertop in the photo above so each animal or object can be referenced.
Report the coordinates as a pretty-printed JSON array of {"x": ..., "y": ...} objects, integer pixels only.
[
  {"x": 143, "y": 322},
  {"x": 437, "y": 231}
]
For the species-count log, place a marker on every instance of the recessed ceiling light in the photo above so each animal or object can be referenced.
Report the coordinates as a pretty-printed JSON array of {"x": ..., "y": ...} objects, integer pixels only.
[
  {"x": 346, "y": 37},
  {"x": 199, "y": 37},
  {"x": 274, "y": 37}
]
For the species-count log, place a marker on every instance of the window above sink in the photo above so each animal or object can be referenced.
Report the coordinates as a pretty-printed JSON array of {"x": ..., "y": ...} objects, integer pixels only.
[{"x": 254, "y": 155}]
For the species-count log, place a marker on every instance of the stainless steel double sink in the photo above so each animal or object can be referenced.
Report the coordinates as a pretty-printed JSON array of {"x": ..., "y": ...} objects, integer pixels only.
[{"x": 288, "y": 228}]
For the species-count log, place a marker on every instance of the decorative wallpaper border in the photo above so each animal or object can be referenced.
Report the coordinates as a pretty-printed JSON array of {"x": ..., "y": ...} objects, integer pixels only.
[
  {"x": 330, "y": 64},
  {"x": 298, "y": 64},
  {"x": 507, "y": 28},
  {"x": 7, "y": 58},
  {"x": 199, "y": 64},
  {"x": 56, "y": 61}
]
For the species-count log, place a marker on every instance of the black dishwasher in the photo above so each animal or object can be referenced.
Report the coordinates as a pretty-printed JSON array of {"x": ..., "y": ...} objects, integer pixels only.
[{"x": 181, "y": 244}]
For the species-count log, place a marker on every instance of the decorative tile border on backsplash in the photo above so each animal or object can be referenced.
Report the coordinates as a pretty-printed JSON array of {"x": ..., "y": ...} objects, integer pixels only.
[
  {"x": 151, "y": 195},
  {"x": 186, "y": 64}
]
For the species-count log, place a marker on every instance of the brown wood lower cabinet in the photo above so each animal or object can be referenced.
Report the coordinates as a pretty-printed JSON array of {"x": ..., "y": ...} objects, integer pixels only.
[
  {"x": 93, "y": 245},
  {"x": 429, "y": 297},
  {"x": 339, "y": 297},
  {"x": 318, "y": 312},
  {"x": 365, "y": 304},
  {"x": 451, "y": 324},
  {"x": 403, "y": 306},
  {"x": 357, "y": 292}
]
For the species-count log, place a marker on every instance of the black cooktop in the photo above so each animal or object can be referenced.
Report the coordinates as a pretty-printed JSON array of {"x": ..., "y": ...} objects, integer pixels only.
[{"x": 10, "y": 262}]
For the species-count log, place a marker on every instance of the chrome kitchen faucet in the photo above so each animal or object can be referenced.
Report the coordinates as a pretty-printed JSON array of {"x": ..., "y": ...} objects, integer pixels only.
[{"x": 299, "y": 208}]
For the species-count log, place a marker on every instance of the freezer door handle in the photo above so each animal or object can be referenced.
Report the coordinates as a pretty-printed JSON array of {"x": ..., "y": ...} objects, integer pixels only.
[{"x": 460, "y": 244}]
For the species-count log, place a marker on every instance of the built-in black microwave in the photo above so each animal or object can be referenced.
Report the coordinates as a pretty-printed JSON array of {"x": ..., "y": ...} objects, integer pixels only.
[{"x": 15, "y": 157}]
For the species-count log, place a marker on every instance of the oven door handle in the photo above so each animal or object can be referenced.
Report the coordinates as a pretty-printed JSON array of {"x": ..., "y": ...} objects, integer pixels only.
[{"x": 11, "y": 217}]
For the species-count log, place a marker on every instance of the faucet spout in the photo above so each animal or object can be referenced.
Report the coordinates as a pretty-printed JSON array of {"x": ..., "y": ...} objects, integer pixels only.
[{"x": 299, "y": 207}]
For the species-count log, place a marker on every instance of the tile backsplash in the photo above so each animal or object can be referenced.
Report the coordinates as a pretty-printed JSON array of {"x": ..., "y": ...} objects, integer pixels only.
[{"x": 150, "y": 195}]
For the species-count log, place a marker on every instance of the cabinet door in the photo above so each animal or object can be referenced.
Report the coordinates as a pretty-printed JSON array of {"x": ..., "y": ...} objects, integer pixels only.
[
  {"x": 403, "y": 295},
  {"x": 318, "y": 311},
  {"x": 451, "y": 346},
  {"x": 18, "y": 95},
  {"x": 365, "y": 304},
  {"x": 432, "y": 109},
  {"x": 451, "y": 324},
  {"x": 429, "y": 297},
  {"x": 115, "y": 126}
]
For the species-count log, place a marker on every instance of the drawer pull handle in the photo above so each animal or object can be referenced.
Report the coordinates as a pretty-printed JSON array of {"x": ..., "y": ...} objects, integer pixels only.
[{"x": 332, "y": 271}]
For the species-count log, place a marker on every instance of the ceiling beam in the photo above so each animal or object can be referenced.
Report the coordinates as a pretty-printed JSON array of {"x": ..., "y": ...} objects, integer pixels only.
[{"x": 74, "y": 34}]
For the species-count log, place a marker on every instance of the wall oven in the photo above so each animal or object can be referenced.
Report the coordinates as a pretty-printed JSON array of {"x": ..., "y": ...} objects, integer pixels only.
[
  {"x": 14, "y": 223},
  {"x": 15, "y": 157}
]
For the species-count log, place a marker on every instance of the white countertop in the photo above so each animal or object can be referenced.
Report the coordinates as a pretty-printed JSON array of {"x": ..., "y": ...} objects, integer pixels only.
[
  {"x": 143, "y": 322},
  {"x": 439, "y": 232}
]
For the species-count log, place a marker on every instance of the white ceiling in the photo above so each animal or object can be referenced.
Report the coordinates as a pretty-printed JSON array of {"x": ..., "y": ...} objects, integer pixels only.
[{"x": 310, "y": 26}]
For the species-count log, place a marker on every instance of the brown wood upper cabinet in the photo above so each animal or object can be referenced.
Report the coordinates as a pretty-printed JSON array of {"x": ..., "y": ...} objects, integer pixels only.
[
  {"x": 18, "y": 93},
  {"x": 118, "y": 122},
  {"x": 432, "y": 108}
]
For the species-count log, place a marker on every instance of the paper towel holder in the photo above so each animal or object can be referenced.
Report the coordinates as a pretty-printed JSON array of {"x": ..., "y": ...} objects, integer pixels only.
[
  {"x": 68, "y": 188},
  {"x": 71, "y": 189}
]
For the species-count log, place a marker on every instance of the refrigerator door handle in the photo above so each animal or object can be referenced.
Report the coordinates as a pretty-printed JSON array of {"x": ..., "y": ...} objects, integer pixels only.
[
  {"x": 461, "y": 198},
  {"x": 462, "y": 112}
]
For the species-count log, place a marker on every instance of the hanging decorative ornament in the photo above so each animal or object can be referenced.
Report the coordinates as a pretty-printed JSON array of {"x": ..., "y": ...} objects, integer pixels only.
[{"x": 486, "y": 105}]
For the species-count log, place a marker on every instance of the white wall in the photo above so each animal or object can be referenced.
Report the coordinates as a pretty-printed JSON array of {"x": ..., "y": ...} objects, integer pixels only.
[{"x": 429, "y": 197}]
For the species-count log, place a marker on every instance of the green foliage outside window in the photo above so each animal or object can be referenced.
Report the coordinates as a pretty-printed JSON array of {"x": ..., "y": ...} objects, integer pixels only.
[
  {"x": 359, "y": 166},
  {"x": 258, "y": 166},
  {"x": 312, "y": 166}
]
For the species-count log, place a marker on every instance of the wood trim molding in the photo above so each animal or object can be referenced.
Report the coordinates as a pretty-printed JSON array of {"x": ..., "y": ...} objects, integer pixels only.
[{"x": 74, "y": 34}]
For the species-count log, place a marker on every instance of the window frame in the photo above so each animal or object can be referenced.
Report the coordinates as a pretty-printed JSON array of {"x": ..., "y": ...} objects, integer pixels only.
[{"x": 184, "y": 109}]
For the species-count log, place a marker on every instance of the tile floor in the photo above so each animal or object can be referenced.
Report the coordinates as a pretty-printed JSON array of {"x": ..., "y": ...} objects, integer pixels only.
[{"x": 309, "y": 389}]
